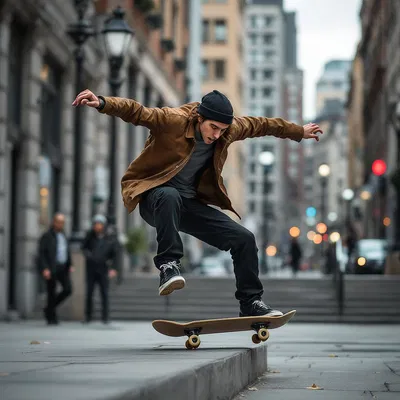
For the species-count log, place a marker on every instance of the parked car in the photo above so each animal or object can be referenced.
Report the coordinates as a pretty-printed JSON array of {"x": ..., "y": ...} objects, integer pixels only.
[
  {"x": 368, "y": 257},
  {"x": 211, "y": 266}
]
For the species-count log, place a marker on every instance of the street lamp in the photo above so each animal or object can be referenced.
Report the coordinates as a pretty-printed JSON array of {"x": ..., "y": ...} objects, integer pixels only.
[
  {"x": 117, "y": 36},
  {"x": 324, "y": 171},
  {"x": 266, "y": 159},
  {"x": 395, "y": 120},
  {"x": 79, "y": 31}
]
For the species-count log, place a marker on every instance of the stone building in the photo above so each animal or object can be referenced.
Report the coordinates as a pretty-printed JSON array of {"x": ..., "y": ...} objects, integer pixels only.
[{"x": 37, "y": 86}]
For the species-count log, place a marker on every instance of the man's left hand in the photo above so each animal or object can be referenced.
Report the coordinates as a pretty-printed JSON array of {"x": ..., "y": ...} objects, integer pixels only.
[
  {"x": 71, "y": 269},
  {"x": 112, "y": 273},
  {"x": 311, "y": 130}
]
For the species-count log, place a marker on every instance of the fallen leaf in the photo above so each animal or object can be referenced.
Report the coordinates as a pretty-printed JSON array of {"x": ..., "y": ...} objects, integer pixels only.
[
  {"x": 35, "y": 342},
  {"x": 315, "y": 387},
  {"x": 253, "y": 389},
  {"x": 332, "y": 355},
  {"x": 4, "y": 374}
]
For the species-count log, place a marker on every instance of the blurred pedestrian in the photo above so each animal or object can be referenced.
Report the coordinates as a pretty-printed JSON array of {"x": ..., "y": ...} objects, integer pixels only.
[
  {"x": 54, "y": 263},
  {"x": 100, "y": 251},
  {"x": 295, "y": 255},
  {"x": 178, "y": 174}
]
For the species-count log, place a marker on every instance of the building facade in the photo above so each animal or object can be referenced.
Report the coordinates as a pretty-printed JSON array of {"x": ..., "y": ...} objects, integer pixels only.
[
  {"x": 222, "y": 69},
  {"x": 333, "y": 83},
  {"x": 265, "y": 65},
  {"x": 37, "y": 157}
]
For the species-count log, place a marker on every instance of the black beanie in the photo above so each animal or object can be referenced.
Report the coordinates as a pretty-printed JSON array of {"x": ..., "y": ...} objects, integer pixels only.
[{"x": 217, "y": 107}]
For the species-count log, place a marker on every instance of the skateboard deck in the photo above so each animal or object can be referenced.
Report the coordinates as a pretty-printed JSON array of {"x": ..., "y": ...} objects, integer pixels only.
[{"x": 208, "y": 326}]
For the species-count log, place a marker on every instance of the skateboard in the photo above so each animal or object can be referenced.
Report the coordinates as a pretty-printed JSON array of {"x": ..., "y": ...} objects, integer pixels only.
[{"x": 193, "y": 329}]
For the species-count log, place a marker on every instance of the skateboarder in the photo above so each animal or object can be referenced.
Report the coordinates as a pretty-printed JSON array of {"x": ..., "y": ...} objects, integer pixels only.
[{"x": 178, "y": 175}]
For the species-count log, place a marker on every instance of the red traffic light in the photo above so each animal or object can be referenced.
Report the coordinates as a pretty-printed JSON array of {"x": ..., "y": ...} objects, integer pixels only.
[{"x": 378, "y": 167}]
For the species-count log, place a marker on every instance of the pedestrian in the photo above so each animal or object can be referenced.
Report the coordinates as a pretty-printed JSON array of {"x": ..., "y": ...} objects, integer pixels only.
[
  {"x": 99, "y": 249},
  {"x": 54, "y": 263},
  {"x": 295, "y": 255},
  {"x": 178, "y": 176}
]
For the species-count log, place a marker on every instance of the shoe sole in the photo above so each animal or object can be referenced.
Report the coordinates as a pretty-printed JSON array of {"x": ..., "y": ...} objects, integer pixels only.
[
  {"x": 272, "y": 314},
  {"x": 175, "y": 283}
]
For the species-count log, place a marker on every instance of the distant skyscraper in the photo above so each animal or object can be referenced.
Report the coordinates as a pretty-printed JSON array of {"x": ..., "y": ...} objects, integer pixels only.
[{"x": 274, "y": 90}]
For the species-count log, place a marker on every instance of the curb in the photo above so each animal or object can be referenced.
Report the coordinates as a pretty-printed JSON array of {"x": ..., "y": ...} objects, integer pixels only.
[{"x": 221, "y": 379}]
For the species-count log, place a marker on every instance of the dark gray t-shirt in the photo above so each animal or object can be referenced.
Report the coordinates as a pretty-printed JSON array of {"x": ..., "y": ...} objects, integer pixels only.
[{"x": 186, "y": 180}]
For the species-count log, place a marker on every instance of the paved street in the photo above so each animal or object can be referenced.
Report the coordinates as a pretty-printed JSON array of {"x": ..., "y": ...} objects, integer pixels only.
[
  {"x": 123, "y": 361},
  {"x": 346, "y": 362}
]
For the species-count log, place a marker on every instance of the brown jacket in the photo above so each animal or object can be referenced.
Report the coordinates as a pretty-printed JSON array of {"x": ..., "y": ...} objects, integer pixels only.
[{"x": 171, "y": 143}]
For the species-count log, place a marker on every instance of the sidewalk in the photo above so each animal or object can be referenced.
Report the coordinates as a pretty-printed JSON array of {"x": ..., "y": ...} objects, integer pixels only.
[
  {"x": 122, "y": 361},
  {"x": 132, "y": 361},
  {"x": 346, "y": 362}
]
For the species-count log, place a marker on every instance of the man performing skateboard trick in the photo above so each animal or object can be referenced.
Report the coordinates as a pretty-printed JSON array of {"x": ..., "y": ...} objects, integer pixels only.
[{"x": 178, "y": 175}]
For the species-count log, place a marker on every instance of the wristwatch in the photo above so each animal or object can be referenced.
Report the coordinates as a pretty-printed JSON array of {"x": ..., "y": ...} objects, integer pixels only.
[{"x": 102, "y": 103}]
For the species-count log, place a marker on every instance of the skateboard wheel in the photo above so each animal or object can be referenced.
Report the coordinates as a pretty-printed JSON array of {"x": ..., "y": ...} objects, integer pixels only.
[
  {"x": 263, "y": 334},
  {"x": 187, "y": 345},
  {"x": 194, "y": 341},
  {"x": 255, "y": 339}
]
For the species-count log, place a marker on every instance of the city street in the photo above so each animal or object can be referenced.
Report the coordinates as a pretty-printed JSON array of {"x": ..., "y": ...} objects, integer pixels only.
[
  {"x": 345, "y": 362},
  {"x": 132, "y": 361}
]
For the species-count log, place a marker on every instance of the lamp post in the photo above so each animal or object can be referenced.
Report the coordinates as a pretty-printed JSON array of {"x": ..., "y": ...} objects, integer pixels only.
[
  {"x": 395, "y": 121},
  {"x": 79, "y": 31},
  {"x": 347, "y": 196},
  {"x": 266, "y": 159},
  {"x": 324, "y": 171},
  {"x": 117, "y": 37}
]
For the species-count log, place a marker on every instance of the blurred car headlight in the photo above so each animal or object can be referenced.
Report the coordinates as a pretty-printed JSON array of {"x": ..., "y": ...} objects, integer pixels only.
[{"x": 361, "y": 261}]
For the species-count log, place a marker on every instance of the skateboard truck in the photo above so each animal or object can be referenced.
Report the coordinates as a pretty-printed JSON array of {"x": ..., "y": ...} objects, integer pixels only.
[
  {"x": 262, "y": 332},
  {"x": 193, "y": 341}
]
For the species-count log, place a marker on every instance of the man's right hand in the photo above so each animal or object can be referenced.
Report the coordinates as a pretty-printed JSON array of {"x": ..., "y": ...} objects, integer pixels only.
[
  {"x": 86, "y": 98},
  {"x": 46, "y": 274}
]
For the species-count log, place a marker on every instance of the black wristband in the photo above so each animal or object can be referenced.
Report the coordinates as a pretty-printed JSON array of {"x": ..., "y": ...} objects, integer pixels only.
[{"x": 102, "y": 103}]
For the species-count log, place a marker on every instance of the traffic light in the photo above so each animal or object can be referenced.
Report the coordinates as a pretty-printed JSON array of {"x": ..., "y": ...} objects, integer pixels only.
[{"x": 378, "y": 167}]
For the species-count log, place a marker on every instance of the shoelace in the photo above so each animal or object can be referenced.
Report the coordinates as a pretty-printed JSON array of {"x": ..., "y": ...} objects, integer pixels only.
[{"x": 169, "y": 265}]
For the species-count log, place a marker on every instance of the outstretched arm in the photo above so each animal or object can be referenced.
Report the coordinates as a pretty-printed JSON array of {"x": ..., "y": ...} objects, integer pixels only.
[
  {"x": 126, "y": 109},
  {"x": 251, "y": 127}
]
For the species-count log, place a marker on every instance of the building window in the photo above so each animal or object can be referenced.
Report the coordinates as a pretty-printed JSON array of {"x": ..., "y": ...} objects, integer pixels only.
[
  {"x": 50, "y": 122},
  {"x": 15, "y": 59},
  {"x": 252, "y": 207},
  {"x": 269, "y": 55},
  {"x": 220, "y": 69},
  {"x": 253, "y": 21},
  {"x": 205, "y": 70},
  {"x": 220, "y": 31},
  {"x": 268, "y": 20},
  {"x": 268, "y": 39},
  {"x": 253, "y": 74},
  {"x": 206, "y": 31},
  {"x": 252, "y": 187},
  {"x": 268, "y": 74},
  {"x": 253, "y": 39},
  {"x": 253, "y": 92},
  {"x": 252, "y": 168},
  {"x": 267, "y": 92},
  {"x": 268, "y": 111}
]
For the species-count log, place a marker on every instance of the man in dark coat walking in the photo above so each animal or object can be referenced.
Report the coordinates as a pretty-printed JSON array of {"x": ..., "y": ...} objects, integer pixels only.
[
  {"x": 100, "y": 252},
  {"x": 54, "y": 264}
]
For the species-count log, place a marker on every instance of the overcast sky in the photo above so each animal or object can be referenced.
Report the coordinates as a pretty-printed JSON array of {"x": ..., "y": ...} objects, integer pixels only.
[{"x": 326, "y": 29}]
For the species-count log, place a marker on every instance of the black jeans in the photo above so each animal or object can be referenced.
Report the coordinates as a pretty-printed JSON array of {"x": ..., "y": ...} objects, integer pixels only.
[
  {"x": 93, "y": 278},
  {"x": 166, "y": 210},
  {"x": 53, "y": 300}
]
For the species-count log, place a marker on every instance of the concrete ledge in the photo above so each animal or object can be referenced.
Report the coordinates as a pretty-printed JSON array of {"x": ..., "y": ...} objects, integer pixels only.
[
  {"x": 218, "y": 379},
  {"x": 123, "y": 361}
]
